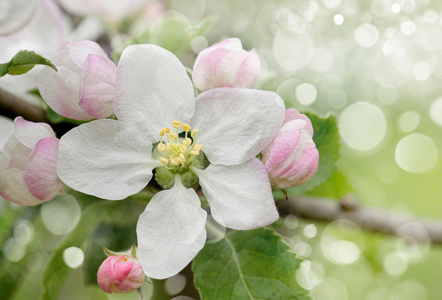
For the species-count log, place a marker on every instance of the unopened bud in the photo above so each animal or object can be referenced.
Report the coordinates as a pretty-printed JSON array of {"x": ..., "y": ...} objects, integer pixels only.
[{"x": 120, "y": 274}]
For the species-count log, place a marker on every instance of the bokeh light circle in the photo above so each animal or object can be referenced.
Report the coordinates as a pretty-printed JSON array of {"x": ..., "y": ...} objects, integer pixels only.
[
  {"x": 61, "y": 215},
  {"x": 306, "y": 93},
  {"x": 409, "y": 121},
  {"x": 395, "y": 263},
  {"x": 73, "y": 257},
  {"x": 338, "y": 19},
  {"x": 366, "y": 35},
  {"x": 416, "y": 153},
  {"x": 175, "y": 284},
  {"x": 321, "y": 61},
  {"x": 362, "y": 126},
  {"x": 292, "y": 50},
  {"x": 421, "y": 70},
  {"x": 436, "y": 111}
]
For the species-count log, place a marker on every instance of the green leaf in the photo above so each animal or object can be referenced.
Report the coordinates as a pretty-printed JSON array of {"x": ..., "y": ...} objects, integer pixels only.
[
  {"x": 326, "y": 138},
  {"x": 252, "y": 264},
  {"x": 22, "y": 62}
]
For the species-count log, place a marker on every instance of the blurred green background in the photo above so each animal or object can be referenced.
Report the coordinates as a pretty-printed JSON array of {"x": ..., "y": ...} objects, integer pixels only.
[{"x": 377, "y": 66}]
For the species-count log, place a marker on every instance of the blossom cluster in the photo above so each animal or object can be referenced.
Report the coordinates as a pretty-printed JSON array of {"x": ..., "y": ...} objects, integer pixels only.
[{"x": 232, "y": 141}]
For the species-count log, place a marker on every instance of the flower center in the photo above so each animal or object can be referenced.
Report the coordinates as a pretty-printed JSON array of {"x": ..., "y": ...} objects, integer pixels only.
[{"x": 175, "y": 152}]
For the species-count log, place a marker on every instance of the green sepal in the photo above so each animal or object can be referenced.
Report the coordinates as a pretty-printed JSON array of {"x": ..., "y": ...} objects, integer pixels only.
[
  {"x": 189, "y": 178},
  {"x": 23, "y": 62},
  {"x": 164, "y": 177}
]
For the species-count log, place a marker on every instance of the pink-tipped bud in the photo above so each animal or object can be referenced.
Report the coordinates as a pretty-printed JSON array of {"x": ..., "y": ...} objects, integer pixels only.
[
  {"x": 84, "y": 85},
  {"x": 226, "y": 64},
  {"x": 28, "y": 164},
  {"x": 120, "y": 274},
  {"x": 292, "y": 159}
]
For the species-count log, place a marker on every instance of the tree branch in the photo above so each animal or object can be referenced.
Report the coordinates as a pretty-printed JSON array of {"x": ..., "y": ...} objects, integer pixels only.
[
  {"x": 12, "y": 106},
  {"x": 370, "y": 219}
]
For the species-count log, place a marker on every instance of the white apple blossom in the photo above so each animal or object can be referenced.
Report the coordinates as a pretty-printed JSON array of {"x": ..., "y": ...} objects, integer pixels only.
[{"x": 155, "y": 102}]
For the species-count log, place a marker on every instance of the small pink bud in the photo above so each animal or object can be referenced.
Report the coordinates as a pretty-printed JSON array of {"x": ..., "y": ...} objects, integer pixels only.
[
  {"x": 291, "y": 159},
  {"x": 120, "y": 274},
  {"x": 226, "y": 64}
]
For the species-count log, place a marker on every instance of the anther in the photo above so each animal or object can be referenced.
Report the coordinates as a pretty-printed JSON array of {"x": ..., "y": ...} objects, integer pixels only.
[
  {"x": 186, "y": 127},
  {"x": 176, "y": 124},
  {"x": 187, "y": 141},
  {"x": 161, "y": 147},
  {"x": 172, "y": 135},
  {"x": 174, "y": 161},
  {"x": 162, "y": 131},
  {"x": 167, "y": 129},
  {"x": 198, "y": 147},
  {"x": 194, "y": 152},
  {"x": 194, "y": 132},
  {"x": 164, "y": 161}
]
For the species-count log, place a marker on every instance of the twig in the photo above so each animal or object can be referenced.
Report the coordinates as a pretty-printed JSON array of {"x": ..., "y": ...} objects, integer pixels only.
[
  {"x": 12, "y": 106},
  {"x": 370, "y": 219}
]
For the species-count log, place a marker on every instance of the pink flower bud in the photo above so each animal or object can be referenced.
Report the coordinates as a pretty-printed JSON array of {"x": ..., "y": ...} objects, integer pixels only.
[
  {"x": 28, "y": 164},
  {"x": 291, "y": 159},
  {"x": 83, "y": 87},
  {"x": 120, "y": 274},
  {"x": 226, "y": 64}
]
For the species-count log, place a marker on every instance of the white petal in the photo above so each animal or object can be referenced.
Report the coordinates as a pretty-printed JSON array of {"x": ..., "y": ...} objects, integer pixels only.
[
  {"x": 170, "y": 232},
  {"x": 152, "y": 89},
  {"x": 14, "y": 189},
  {"x": 14, "y": 154},
  {"x": 16, "y": 14},
  {"x": 105, "y": 158},
  {"x": 240, "y": 196},
  {"x": 29, "y": 133},
  {"x": 236, "y": 124}
]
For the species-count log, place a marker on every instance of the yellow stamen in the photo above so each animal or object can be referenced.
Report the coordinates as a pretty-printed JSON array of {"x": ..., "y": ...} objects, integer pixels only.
[
  {"x": 174, "y": 161},
  {"x": 194, "y": 152},
  {"x": 182, "y": 158},
  {"x": 161, "y": 147},
  {"x": 194, "y": 132},
  {"x": 167, "y": 129},
  {"x": 186, "y": 127},
  {"x": 187, "y": 142},
  {"x": 176, "y": 124},
  {"x": 172, "y": 135},
  {"x": 198, "y": 147},
  {"x": 162, "y": 131},
  {"x": 164, "y": 161}
]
